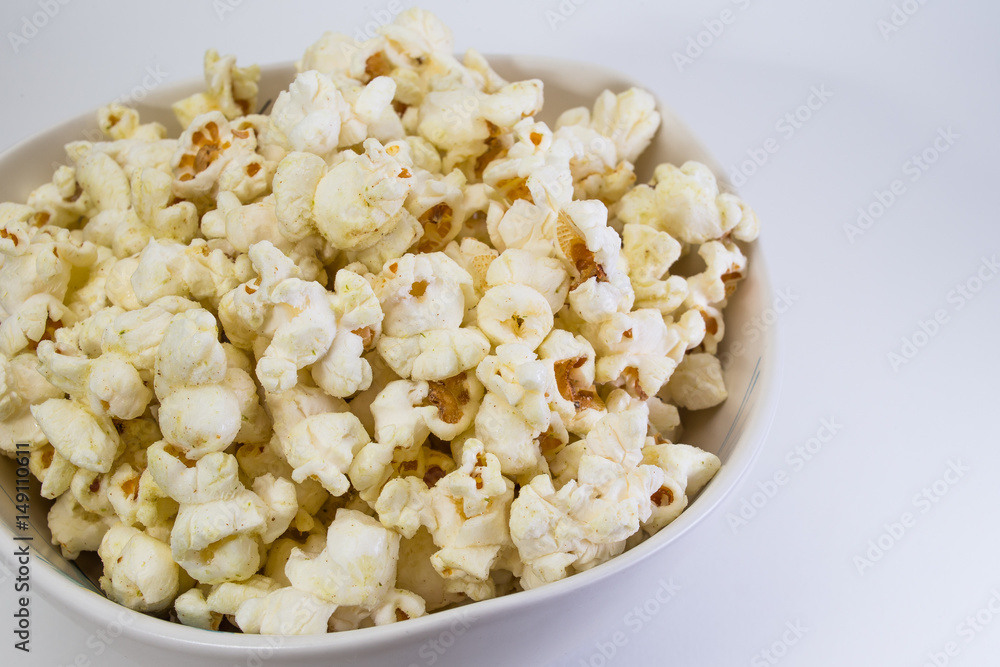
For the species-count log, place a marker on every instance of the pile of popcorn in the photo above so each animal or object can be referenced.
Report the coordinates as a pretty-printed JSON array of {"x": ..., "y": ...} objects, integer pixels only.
[{"x": 393, "y": 347}]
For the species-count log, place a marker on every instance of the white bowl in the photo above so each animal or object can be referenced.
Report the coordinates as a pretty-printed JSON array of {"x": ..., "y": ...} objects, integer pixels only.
[{"x": 734, "y": 431}]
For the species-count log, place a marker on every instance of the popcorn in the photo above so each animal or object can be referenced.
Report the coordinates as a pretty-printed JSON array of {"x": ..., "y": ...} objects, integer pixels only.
[
  {"x": 38, "y": 261},
  {"x": 305, "y": 325},
  {"x": 231, "y": 90},
  {"x": 515, "y": 314},
  {"x": 104, "y": 182},
  {"x": 508, "y": 436},
  {"x": 526, "y": 164},
  {"x": 52, "y": 470},
  {"x": 686, "y": 202},
  {"x": 133, "y": 493},
  {"x": 523, "y": 382},
  {"x": 227, "y": 598},
  {"x": 290, "y": 407},
  {"x": 279, "y": 496},
  {"x": 423, "y": 299},
  {"x": 296, "y": 315},
  {"x": 708, "y": 290},
  {"x": 118, "y": 121},
  {"x": 212, "y": 477},
  {"x": 287, "y": 611},
  {"x": 139, "y": 571},
  {"x": 135, "y": 334},
  {"x": 315, "y": 118},
  {"x": 686, "y": 471},
  {"x": 545, "y": 275},
  {"x": 697, "y": 384},
  {"x": 244, "y": 225},
  {"x": 323, "y": 446},
  {"x": 357, "y": 567},
  {"x": 405, "y": 413},
  {"x": 107, "y": 386},
  {"x": 88, "y": 488},
  {"x": 650, "y": 253},
  {"x": 476, "y": 258},
  {"x": 153, "y": 213},
  {"x": 199, "y": 412},
  {"x": 417, "y": 574},
  {"x": 434, "y": 355},
  {"x": 600, "y": 286},
  {"x": 354, "y": 204},
  {"x": 281, "y": 551},
  {"x": 466, "y": 514},
  {"x": 629, "y": 120},
  {"x": 473, "y": 536},
  {"x": 588, "y": 519},
  {"x": 210, "y": 152},
  {"x": 217, "y": 541},
  {"x": 130, "y": 154},
  {"x": 74, "y": 529},
  {"x": 61, "y": 202},
  {"x": 81, "y": 437},
  {"x": 463, "y": 135},
  {"x": 576, "y": 398},
  {"x": 394, "y": 346},
  {"x": 441, "y": 206},
  {"x": 21, "y": 386},
  {"x": 640, "y": 350},
  {"x": 263, "y": 460},
  {"x": 190, "y": 271},
  {"x": 725, "y": 264},
  {"x": 664, "y": 419},
  {"x": 398, "y": 605},
  {"x": 343, "y": 370},
  {"x": 309, "y": 113},
  {"x": 38, "y": 318},
  {"x": 192, "y": 610},
  {"x": 420, "y": 293}
]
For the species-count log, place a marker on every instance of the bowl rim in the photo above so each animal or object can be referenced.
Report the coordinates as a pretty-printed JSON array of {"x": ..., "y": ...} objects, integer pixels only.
[{"x": 155, "y": 631}]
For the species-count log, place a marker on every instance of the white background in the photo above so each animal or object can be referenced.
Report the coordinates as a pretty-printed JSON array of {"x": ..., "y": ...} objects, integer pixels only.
[{"x": 795, "y": 561}]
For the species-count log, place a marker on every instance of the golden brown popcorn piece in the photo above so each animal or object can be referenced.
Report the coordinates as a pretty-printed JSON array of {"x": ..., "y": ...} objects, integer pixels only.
[
  {"x": 582, "y": 397},
  {"x": 377, "y": 65},
  {"x": 513, "y": 189},
  {"x": 433, "y": 475},
  {"x": 437, "y": 222},
  {"x": 573, "y": 245},
  {"x": 209, "y": 145},
  {"x": 494, "y": 149},
  {"x": 450, "y": 396},
  {"x": 630, "y": 378},
  {"x": 661, "y": 494}
]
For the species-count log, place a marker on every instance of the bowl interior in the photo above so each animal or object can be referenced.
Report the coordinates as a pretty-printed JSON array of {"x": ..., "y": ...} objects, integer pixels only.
[{"x": 734, "y": 430}]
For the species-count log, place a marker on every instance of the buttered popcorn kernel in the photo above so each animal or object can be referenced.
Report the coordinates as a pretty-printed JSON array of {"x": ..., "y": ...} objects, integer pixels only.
[{"x": 391, "y": 347}]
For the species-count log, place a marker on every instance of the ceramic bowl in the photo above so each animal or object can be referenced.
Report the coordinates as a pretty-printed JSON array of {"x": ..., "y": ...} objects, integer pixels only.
[{"x": 734, "y": 431}]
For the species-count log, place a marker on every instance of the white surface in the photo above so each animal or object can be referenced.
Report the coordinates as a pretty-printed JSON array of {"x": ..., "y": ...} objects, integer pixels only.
[{"x": 794, "y": 562}]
